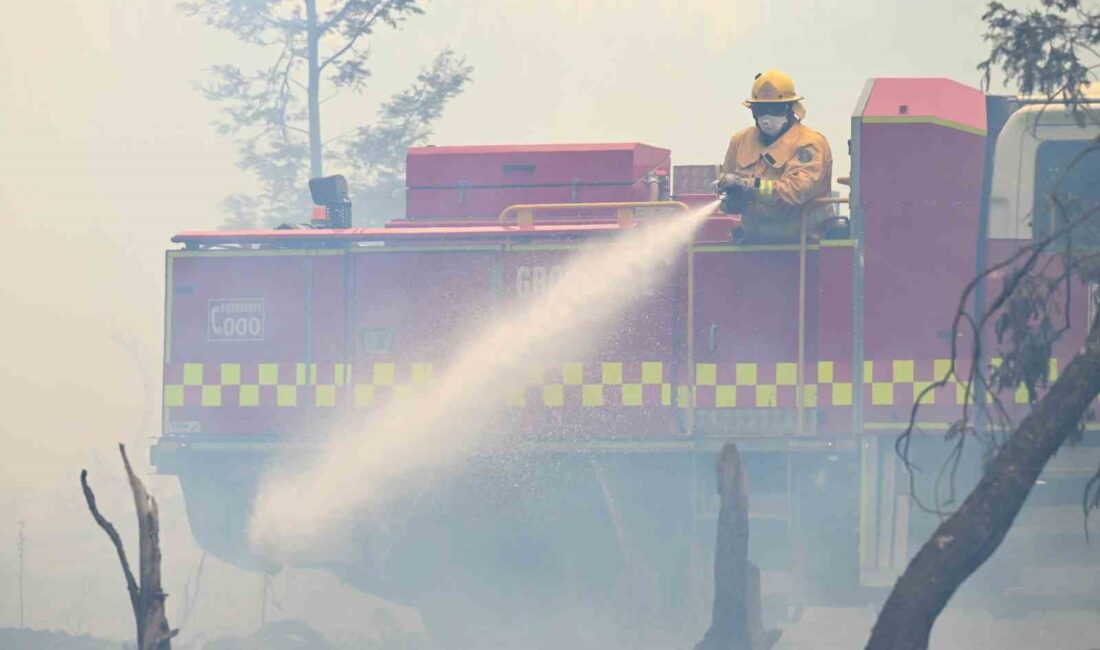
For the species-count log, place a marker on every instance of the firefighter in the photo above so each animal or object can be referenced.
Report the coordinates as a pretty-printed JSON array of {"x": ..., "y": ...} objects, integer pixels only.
[{"x": 776, "y": 168}]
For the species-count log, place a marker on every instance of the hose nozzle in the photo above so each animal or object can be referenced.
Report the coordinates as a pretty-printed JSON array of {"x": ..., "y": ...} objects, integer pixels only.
[{"x": 734, "y": 200}]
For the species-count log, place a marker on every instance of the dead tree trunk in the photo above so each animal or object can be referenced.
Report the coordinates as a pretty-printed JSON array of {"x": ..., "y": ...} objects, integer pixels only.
[
  {"x": 146, "y": 596},
  {"x": 729, "y": 627},
  {"x": 965, "y": 540}
]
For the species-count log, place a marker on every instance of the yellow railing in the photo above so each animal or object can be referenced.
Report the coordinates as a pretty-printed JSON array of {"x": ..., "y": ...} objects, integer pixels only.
[
  {"x": 524, "y": 214},
  {"x": 801, "y": 396}
]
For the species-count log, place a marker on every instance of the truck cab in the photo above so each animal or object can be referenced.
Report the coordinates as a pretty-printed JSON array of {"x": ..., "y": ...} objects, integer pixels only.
[{"x": 1037, "y": 143}]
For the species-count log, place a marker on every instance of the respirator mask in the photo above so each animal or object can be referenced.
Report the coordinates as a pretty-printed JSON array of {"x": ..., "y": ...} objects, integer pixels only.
[
  {"x": 771, "y": 124},
  {"x": 771, "y": 119}
]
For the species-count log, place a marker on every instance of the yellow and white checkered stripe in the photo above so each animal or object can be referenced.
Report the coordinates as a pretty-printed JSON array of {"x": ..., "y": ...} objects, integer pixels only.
[
  {"x": 382, "y": 378},
  {"x": 287, "y": 384},
  {"x": 602, "y": 384},
  {"x": 898, "y": 383},
  {"x": 299, "y": 384},
  {"x": 612, "y": 388},
  {"x": 749, "y": 389}
]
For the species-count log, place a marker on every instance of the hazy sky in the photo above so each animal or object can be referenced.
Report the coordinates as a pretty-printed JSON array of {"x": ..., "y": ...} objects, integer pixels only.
[
  {"x": 106, "y": 150},
  {"x": 98, "y": 95}
]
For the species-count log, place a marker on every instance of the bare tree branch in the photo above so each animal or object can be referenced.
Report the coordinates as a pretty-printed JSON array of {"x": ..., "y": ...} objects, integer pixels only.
[
  {"x": 191, "y": 598},
  {"x": 962, "y": 429},
  {"x": 962, "y": 543},
  {"x": 112, "y": 533},
  {"x": 1039, "y": 51},
  {"x": 1090, "y": 500},
  {"x": 146, "y": 597}
]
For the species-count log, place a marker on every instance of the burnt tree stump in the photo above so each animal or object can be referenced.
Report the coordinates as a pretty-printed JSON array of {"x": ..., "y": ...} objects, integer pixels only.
[
  {"x": 736, "y": 622},
  {"x": 146, "y": 596}
]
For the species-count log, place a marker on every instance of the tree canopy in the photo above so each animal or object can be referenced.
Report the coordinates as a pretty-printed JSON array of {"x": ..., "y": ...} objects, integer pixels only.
[{"x": 274, "y": 112}]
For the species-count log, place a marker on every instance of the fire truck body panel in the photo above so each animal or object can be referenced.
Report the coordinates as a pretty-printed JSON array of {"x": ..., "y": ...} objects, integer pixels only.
[
  {"x": 746, "y": 379},
  {"x": 944, "y": 102},
  {"x": 236, "y": 326},
  {"x": 465, "y": 182},
  {"x": 919, "y": 169},
  {"x": 409, "y": 310},
  {"x": 340, "y": 331}
]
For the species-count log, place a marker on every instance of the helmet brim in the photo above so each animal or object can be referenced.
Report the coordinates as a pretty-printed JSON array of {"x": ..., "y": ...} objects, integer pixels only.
[
  {"x": 749, "y": 102},
  {"x": 799, "y": 108}
]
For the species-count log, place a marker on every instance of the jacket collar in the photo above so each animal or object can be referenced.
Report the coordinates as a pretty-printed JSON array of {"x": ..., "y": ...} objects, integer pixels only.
[{"x": 777, "y": 154}]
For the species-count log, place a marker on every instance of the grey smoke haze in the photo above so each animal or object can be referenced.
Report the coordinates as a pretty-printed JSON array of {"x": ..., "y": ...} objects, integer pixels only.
[{"x": 106, "y": 150}]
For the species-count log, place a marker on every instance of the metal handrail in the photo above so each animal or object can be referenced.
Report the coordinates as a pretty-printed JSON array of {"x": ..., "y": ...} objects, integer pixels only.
[
  {"x": 524, "y": 214},
  {"x": 624, "y": 210},
  {"x": 800, "y": 397}
]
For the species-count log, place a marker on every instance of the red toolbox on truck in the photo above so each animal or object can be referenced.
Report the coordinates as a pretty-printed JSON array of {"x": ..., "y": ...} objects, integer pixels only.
[{"x": 479, "y": 182}]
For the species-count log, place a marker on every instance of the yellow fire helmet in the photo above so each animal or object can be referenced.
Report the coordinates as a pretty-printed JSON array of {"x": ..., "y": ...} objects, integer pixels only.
[{"x": 776, "y": 87}]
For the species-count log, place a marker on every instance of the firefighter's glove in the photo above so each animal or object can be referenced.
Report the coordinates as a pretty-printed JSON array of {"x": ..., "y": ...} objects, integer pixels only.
[{"x": 730, "y": 181}]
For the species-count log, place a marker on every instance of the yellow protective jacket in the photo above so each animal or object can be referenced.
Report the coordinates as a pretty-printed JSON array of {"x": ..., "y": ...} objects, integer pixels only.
[{"x": 792, "y": 171}]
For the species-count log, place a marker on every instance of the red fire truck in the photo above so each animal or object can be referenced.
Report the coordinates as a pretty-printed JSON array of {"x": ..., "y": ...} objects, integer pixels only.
[{"x": 808, "y": 355}]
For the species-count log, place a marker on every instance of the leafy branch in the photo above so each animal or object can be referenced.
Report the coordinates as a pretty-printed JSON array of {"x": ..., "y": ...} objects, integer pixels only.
[{"x": 274, "y": 112}]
